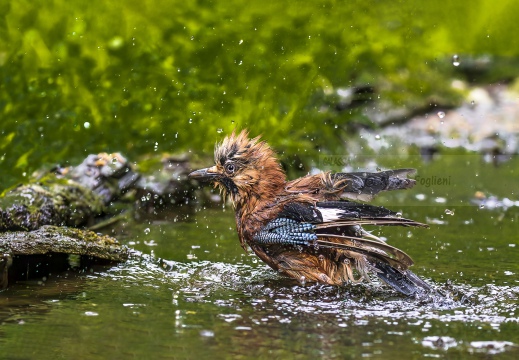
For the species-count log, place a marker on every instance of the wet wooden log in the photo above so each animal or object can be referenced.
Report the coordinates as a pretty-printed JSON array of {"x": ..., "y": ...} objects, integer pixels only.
[{"x": 33, "y": 253}]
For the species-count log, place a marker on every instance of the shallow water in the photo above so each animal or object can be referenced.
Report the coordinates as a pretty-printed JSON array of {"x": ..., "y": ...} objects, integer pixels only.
[{"x": 194, "y": 293}]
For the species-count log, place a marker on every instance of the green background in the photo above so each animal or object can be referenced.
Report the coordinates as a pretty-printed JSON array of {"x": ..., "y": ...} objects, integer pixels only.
[{"x": 139, "y": 76}]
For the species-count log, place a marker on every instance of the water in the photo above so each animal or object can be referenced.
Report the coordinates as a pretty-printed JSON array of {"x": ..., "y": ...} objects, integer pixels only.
[
  {"x": 195, "y": 294},
  {"x": 455, "y": 60}
]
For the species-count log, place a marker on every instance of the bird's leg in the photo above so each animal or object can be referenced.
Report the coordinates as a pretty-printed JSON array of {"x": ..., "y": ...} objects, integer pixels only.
[{"x": 286, "y": 231}]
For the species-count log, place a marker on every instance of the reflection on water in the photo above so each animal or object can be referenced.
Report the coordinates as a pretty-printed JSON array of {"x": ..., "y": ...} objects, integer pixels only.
[{"x": 194, "y": 293}]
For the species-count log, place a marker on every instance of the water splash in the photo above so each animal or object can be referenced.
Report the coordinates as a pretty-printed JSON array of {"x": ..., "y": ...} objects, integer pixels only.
[{"x": 455, "y": 60}]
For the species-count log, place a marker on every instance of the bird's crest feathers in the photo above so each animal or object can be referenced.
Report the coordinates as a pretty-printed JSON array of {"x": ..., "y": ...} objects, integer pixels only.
[
  {"x": 239, "y": 147},
  {"x": 255, "y": 167}
]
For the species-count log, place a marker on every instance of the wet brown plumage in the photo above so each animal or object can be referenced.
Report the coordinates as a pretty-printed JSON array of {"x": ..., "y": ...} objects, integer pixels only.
[{"x": 309, "y": 228}]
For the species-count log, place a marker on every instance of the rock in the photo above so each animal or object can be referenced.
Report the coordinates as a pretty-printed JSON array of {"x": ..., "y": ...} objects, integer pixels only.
[
  {"x": 50, "y": 201},
  {"x": 486, "y": 122},
  {"x": 169, "y": 188},
  {"x": 108, "y": 175}
]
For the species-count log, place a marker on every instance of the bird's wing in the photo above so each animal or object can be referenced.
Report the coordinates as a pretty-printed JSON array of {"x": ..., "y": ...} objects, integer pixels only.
[
  {"x": 365, "y": 185},
  {"x": 361, "y": 186},
  {"x": 342, "y": 214},
  {"x": 336, "y": 225},
  {"x": 348, "y": 213}
]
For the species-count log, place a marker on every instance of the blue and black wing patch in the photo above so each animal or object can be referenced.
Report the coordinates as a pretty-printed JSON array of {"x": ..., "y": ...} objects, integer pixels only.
[{"x": 287, "y": 232}]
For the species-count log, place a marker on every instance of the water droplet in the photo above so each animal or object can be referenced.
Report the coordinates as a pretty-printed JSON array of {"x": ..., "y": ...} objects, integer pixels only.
[
  {"x": 147, "y": 231},
  {"x": 377, "y": 137},
  {"x": 481, "y": 206},
  {"x": 241, "y": 42},
  {"x": 219, "y": 130},
  {"x": 398, "y": 214},
  {"x": 441, "y": 114},
  {"x": 207, "y": 333},
  {"x": 449, "y": 212},
  {"x": 86, "y": 125},
  {"x": 456, "y": 60},
  {"x": 190, "y": 121}
]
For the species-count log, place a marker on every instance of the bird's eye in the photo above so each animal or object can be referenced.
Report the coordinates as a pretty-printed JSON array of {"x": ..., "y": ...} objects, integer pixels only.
[{"x": 229, "y": 168}]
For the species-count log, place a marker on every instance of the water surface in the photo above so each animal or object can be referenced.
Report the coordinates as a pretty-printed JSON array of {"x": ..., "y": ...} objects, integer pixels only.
[{"x": 195, "y": 294}]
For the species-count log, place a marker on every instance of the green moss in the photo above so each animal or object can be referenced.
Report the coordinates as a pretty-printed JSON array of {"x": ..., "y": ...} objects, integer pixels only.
[{"x": 58, "y": 202}]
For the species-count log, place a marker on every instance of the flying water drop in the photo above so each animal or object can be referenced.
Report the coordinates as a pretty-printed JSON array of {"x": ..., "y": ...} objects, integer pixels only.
[{"x": 456, "y": 60}]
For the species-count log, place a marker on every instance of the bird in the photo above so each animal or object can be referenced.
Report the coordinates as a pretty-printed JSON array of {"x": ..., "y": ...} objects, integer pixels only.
[{"x": 312, "y": 228}]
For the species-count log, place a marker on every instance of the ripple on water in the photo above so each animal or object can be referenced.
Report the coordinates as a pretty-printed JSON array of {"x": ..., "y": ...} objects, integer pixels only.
[
  {"x": 230, "y": 285},
  {"x": 253, "y": 295}
]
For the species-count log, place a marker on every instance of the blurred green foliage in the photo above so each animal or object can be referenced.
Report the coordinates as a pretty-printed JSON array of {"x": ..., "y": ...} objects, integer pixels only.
[{"x": 139, "y": 76}]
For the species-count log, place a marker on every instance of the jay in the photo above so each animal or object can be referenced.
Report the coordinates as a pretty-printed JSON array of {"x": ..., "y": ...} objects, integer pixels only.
[{"x": 311, "y": 228}]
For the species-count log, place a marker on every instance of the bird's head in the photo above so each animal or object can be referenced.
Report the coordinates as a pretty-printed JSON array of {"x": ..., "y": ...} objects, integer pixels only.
[{"x": 245, "y": 169}]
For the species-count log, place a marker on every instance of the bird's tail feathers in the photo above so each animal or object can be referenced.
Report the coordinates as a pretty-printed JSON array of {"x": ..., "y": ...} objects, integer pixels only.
[
  {"x": 387, "y": 262},
  {"x": 376, "y": 249},
  {"x": 406, "y": 282}
]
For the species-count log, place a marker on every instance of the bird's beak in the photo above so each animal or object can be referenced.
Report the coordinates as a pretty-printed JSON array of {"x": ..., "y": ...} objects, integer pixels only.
[{"x": 204, "y": 174}]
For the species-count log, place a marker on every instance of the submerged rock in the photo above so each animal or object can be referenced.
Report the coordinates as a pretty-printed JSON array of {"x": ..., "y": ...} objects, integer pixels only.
[{"x": 49, "y": 249}]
